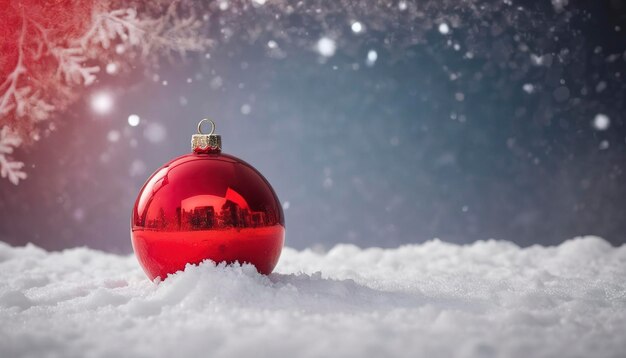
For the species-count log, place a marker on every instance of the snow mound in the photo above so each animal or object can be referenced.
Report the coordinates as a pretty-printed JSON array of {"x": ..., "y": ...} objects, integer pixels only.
[{"x": 491, "y": 298}]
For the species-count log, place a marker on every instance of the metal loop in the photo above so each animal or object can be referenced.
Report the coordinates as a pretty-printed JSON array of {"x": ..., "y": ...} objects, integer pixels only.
[{"x": 212, "y": 126}]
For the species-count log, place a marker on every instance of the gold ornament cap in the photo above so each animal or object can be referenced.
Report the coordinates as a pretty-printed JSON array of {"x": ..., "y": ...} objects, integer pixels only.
[{"x": 206, "y": 143}]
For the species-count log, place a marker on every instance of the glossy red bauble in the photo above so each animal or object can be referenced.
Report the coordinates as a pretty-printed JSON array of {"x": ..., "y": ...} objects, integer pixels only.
[{"x": 206, "y": 205}]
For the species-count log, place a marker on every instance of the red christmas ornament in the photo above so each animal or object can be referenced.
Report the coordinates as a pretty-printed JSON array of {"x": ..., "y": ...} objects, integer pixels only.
[{"x": 206, "y": 205}]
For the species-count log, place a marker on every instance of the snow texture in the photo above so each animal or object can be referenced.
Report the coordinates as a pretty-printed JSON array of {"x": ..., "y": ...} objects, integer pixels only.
[{"x": 491, "y": 298}]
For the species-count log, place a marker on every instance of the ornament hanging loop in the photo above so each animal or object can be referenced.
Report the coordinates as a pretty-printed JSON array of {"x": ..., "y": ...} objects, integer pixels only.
[
  {"x": 206, "y": 143},
  {"x": 206, "y": 120}
]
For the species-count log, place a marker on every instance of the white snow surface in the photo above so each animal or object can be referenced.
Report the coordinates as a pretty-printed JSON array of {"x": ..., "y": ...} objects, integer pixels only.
[{"x": 487, "y": 299}]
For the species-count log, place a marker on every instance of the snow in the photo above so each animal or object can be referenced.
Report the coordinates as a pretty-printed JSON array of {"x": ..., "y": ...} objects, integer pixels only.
[
  {"x": 133, "y": 120},
  {"x": 356, "y": 27},
  {"x": 372, "y": 56},
  {"x": 113, "y": 136},
  {"x": 491, "y": 298},
  {"x": 444, "y": 29},
  {"x": 155, "y": 132},
  {"x": 559, "y": 5},
  {"x": 111, "y": 68},
  {"x": 245, "y": 109},
  {"x": 601, "y": 122},
  {"x": 102, "y": 102},
  {"x": 528, "y": 88},
  {"x": 326, "y": 47},
  {"x": 604, "y": 145}
]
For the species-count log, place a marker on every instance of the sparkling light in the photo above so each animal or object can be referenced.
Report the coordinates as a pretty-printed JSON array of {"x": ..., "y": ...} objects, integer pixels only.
[
  {"x": 137, "y": 167},
  {"x": 528, "y": 88},
  {"x": 113, "y": 136},
  {"x": 133, "y": 120},
  {"x": 604, "y": 145},
  {"x": 155, "y": 132},
  {"x": 601, "y": 122},
  {"x": 111, "y": 68},
  {"x": 444, "y": 29},
  {"x": 326, "y": 47},
  {"x": 372, "y": 56},
  {"x": 101, "y": 102},
  {"x": 357, "y": 27}
]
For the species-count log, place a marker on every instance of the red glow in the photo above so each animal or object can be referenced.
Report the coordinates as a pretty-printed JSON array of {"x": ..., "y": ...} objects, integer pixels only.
[{"x": 27, "y": 30}]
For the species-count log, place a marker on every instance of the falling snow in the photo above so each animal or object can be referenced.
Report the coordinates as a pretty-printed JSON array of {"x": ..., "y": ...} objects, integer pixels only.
[
  {"x": 112, "y": 68},
  {"x": 439, "y": 85},
  {"x": 356, "y": 27},
  {"x": 604, "y": 145},
  {"x": 372, "y": 56},
  {"x": 50, "y": 68},
  {"x": 601, "y": 122},
  {"x": 102, "y": 102},
  {"x": 246, "y": 109},
  {"x": 133, "y": 120},
  {"x": 113, "y": 136},
  {"x": 128, "y": 35},
  {"x": 444, "y": 29},
  {"x": 155, "y": 132},
  {"x": 326, "y": 47},
  {"x": 528, "y": 88}
]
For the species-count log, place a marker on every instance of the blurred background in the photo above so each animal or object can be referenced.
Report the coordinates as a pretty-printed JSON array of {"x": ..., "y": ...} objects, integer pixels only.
[{"x": 378, "y": 123}]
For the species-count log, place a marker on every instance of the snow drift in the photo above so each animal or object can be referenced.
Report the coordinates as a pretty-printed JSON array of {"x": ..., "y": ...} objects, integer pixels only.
[{"x": 435, "y": 299}]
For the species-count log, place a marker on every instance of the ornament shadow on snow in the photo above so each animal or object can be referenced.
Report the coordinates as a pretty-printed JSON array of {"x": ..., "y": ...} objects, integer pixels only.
[{"x": 206, "y": 205}]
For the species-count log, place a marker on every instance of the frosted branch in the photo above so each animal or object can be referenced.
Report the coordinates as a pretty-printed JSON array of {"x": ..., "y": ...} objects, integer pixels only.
[
  {"x": 71, "y": 66},
  {"x": 10, "y": 169},
  {"x": 108, "y": 26},
  {"x": 8, "y": 99},
  {"x": 32, "y": 92}
]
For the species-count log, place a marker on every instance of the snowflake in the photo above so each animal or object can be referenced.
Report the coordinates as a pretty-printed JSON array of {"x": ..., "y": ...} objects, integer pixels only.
[{"x": 8, "y": 168}]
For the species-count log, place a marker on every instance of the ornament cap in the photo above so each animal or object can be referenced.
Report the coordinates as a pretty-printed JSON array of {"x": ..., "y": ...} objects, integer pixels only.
[{"x": 206, "y": 143}]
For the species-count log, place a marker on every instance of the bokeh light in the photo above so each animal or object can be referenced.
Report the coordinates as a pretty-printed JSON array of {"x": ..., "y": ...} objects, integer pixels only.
[
  {"x": 102, "y": 102},
  {"x": 133, "y": 120}
]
